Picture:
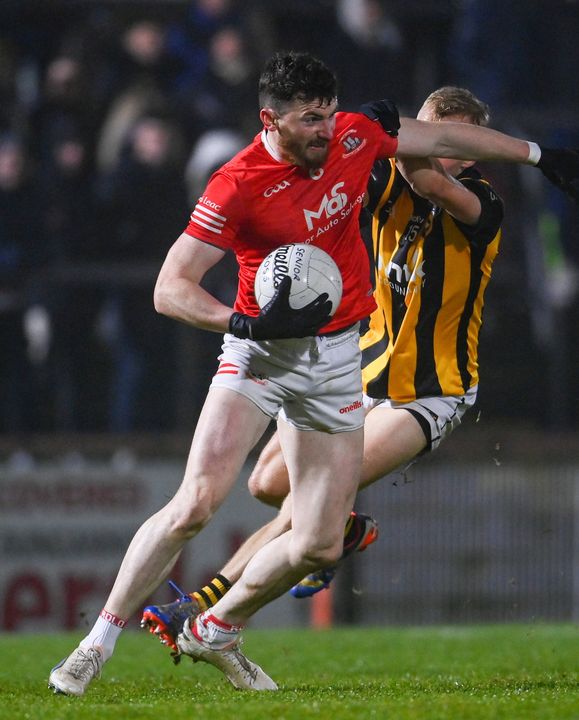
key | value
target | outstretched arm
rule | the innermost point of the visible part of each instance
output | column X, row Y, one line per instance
column 417, row 138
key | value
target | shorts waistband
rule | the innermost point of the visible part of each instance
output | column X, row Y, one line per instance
column 339, row 331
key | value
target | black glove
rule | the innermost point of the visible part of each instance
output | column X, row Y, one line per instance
column 385, row 112
column 561, row 167
column 278, row 320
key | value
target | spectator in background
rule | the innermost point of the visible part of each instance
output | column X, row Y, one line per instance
column 213, row 44
column 211, row 151
column 65, row 100
column 189, row 40
column 78, row 361
column 208, row 16
column 367, row 31
column 226, row 95
column 68, row 189
column 21, row 250
column 142, row 197
column 368, row 23
column 143, row 58
column 144, row 72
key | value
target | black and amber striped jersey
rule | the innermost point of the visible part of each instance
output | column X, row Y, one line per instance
column 431, row 272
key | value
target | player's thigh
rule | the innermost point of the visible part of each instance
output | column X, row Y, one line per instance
column 324, row 470
column 229, row 426
column 392, row 437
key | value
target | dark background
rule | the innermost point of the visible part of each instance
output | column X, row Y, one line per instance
column 113, row 114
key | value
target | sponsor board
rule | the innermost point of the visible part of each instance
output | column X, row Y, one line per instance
column 64, row 531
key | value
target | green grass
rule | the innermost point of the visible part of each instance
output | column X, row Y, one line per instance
column 459, row 673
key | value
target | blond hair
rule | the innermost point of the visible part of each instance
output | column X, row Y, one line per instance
column 450, row 100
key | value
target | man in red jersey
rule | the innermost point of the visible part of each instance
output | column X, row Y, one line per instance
column 301, row 180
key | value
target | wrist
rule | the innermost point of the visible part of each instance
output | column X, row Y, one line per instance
column 240, row 325
column 534, row 153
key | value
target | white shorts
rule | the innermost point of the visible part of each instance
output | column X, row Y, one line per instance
column 313, row 383
column 437, row 416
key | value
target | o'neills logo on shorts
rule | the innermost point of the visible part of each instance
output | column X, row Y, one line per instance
column 354, row 406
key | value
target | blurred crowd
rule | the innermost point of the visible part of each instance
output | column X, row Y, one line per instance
column 114, row 114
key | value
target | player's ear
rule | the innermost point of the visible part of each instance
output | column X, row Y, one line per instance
column 268, row 117
column 466, row 164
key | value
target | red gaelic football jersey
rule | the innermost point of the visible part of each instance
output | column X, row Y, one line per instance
column 257, row 202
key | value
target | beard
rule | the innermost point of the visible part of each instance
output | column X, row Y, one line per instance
column 311, row 156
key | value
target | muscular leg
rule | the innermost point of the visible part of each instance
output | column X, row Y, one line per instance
column 215, row 460
column 324, row 472
column 391, row 438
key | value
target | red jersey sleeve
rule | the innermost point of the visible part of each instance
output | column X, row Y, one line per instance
column 217, row 214
column 386, row 145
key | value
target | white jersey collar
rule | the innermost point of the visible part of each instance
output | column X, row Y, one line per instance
column 267, row 145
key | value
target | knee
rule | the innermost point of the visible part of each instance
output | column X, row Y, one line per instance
column 189, row 515
column 269, row 481
column 266, row 488
column 314, row 553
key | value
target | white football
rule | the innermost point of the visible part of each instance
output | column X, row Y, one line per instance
column 311, row 269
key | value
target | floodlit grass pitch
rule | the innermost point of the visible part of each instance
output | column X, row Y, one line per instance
column 459, row 673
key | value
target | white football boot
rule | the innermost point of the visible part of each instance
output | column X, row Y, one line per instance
column 73, row 674
column 241, row 672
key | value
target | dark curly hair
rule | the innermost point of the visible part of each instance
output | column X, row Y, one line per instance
column 290, row 76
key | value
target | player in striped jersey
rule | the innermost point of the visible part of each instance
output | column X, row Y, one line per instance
column 433, row 261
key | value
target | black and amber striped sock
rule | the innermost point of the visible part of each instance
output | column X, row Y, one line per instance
column 209, row 594
column 351, row 533
column 349, row 524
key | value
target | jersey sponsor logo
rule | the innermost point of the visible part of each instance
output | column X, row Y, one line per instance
column 344, row 213
column 206, row 215
column 350, row 408
column 204, row 200
column 351, row 143
column 317, row 173
column 401, row 278
column 405, row 270
column 407, row 273
column 276, row 188
column 330, row 205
